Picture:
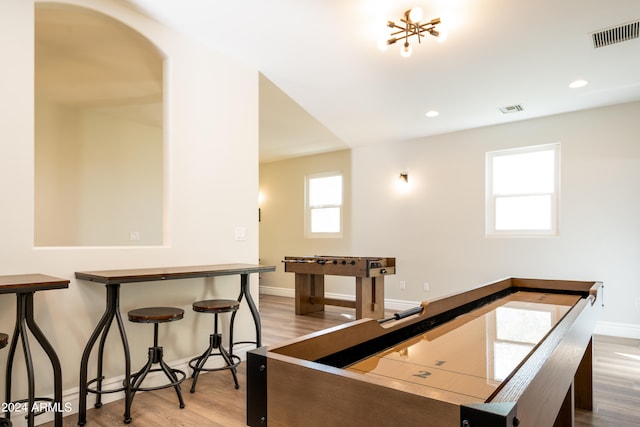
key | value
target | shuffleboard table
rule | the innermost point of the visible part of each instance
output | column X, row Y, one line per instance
column 517, row 352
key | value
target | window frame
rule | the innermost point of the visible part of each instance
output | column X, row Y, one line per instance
column 308, row 208
column 491, row 198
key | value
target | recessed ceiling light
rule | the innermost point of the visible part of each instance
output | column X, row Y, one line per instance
column 578, row 83
column 432, row 113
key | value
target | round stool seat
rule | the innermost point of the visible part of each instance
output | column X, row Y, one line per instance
column 4, row 338
column 155, row 314
column 216, row 306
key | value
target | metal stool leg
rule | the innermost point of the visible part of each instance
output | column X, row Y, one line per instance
column 200, row 363
column 215, row 342
column 138, row 377
column 225, row 355
column 156, row 357
column 227, row 358
column 174, row 379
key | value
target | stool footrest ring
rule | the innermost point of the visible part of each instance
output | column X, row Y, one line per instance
column 236, row 362
column 95, row 391
column 181, row 375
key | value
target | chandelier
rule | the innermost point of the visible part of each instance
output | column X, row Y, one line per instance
column 412, row 25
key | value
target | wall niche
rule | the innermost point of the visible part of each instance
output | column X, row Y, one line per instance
column 99, row 145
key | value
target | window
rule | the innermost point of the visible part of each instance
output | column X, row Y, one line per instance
column 523, row 191
column 323, row 216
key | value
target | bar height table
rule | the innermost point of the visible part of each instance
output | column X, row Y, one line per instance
column 24, row 286
column 112, row 279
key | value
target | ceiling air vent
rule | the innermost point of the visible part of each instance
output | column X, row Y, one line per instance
column 511, row 109
column 621, row 33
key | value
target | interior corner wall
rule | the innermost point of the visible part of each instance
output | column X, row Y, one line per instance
column 436, row 230
column 282, row 217
column 211, row 187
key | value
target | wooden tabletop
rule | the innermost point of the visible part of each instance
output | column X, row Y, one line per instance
column 22, row 283
column 111, row 277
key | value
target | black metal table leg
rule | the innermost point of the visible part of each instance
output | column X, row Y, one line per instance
column 53, row 357
column 127, row 361
column 112, row 310
column 246, row 291
column 24, row 321
column 18, row 334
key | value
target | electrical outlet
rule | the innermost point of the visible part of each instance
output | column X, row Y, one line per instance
column 134, row 235
column 403, row 285
column 240, row 233
column 425, row 286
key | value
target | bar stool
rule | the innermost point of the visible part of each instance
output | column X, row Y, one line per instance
column 215, row 306
column 156, row 315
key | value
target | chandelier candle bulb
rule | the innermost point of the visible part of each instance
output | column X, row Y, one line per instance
column 415, row 14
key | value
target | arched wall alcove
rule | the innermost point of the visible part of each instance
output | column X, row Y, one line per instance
column 99, row 150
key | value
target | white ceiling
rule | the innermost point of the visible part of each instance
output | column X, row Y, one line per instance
column 328, row 86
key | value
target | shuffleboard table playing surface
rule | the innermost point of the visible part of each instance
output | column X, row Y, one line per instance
column 471, row 355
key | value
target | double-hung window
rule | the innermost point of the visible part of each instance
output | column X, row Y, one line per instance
column 523, row 191
column 323, row 217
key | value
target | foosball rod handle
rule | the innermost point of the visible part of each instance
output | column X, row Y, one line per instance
column 402, row 314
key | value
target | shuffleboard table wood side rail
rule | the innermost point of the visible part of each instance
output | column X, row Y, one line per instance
column 319, row 344
column 580, row 287
column 339, row 398
column 451, row 302
column 548, row 376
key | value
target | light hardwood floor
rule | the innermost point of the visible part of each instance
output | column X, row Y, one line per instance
column 217, row 403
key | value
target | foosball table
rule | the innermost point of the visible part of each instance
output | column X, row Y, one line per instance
column 368, row 271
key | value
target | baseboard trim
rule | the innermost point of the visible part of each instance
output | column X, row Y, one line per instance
column 391, row 304
column 622, row 330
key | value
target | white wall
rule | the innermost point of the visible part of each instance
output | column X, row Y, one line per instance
column 436, row 231
column 211, row 152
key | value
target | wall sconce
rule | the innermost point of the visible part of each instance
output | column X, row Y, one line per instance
column 404, row 177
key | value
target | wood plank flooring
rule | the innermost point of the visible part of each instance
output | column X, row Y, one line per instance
column 616, row 388
column 217, row 403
